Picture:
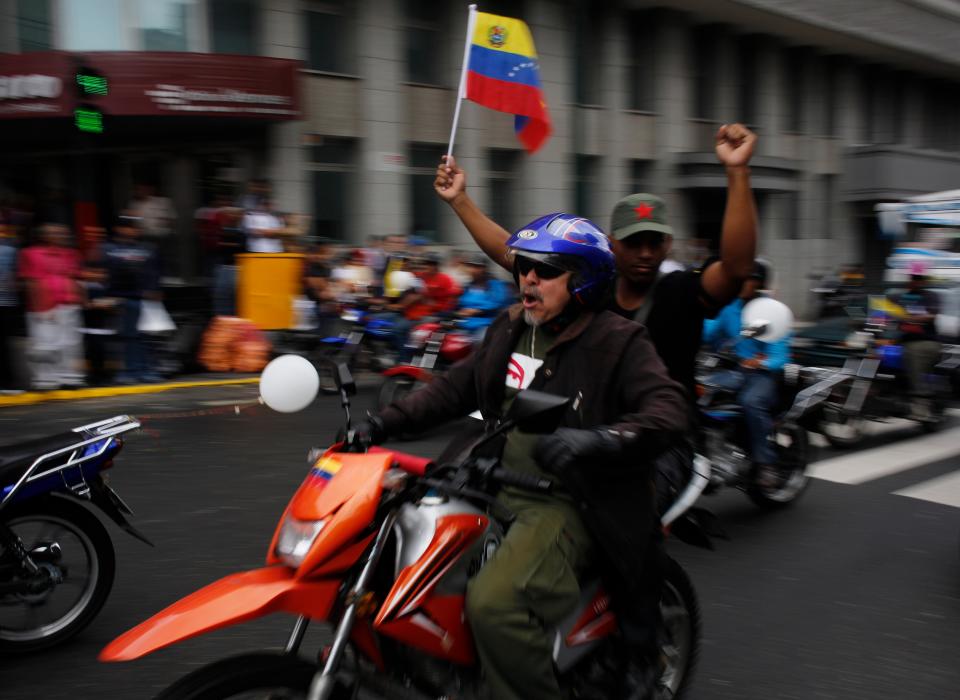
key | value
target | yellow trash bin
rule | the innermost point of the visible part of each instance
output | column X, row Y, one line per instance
column 267, row 284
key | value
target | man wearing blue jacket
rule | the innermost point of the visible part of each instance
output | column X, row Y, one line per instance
column 756, row 379
column 482, row 299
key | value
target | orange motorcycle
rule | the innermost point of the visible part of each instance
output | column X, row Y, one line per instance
column 380, row 545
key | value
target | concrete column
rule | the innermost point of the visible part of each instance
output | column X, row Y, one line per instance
column 8, row 27
column 382, row 180
column 613, row 172
column 283, row 37
column 673, row 103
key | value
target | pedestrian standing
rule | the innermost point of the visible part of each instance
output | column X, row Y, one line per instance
column 132, row 277
column 8, row 307
column 51, row 272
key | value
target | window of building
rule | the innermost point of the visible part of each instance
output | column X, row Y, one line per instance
column 92, row 25
column 827, row 184
column 164, row 24
column 330, row 37
column 233, row 26
column 425, row 205
column 584, row 184
column 333, row 162
column 705, row 72
column 642, row 72
column 34, row 30
column 640, row 174
column 587, row 38
column 425, row 37
column 831, row 68
column 748, row 83
column 794, row 83
column 503, row 171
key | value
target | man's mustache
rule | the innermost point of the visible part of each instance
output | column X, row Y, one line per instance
column 534, row 292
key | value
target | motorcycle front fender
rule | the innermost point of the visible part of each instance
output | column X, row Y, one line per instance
column 231, row 600
column 418, row 374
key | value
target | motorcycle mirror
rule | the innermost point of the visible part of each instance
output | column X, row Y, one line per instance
column 776, row 315
column 289, row 383
column 537, row 411
column 344, row 379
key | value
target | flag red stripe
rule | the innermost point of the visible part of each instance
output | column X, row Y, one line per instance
column 504, row 96
column 534, row 133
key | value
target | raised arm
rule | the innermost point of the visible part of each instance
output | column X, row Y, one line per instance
column 738, row 238
column 451, row 186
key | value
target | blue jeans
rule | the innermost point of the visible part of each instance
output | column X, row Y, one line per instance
column 756, row 394
column 134, row 352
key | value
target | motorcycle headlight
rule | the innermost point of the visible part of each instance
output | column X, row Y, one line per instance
column 296, row 538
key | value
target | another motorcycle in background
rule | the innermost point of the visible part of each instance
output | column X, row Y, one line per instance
column 56, row 559
column 725, row 440
column 364, row 344
column 876, row 388
column 438, row 344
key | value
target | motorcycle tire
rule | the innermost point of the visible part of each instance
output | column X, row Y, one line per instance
column 276, row 675
column 793, row 460
column 86, row 533
column 680, row 630
column 853, row 428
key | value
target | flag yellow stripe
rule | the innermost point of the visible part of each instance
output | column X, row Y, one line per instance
column 518, row 38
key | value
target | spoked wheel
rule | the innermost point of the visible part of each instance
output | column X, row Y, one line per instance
column 261, row 676
column 680, row 631
column 76, row 560
column 840, row 428
column 792, row 457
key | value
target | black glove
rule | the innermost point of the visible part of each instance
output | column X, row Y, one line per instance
column 559, row 451
column 365, row 433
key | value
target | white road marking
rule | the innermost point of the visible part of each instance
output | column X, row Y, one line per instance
column 879, row 462
column 944, row 489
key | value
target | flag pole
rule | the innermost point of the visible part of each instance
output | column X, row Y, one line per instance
column 462, row 90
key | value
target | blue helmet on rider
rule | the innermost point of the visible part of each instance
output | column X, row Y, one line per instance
column 570, row 243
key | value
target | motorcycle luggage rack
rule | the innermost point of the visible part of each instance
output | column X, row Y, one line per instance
column 100, row 430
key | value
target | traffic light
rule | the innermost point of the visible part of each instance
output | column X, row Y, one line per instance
column 87, row 116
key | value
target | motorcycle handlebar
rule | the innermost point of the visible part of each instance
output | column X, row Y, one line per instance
column 411, row 464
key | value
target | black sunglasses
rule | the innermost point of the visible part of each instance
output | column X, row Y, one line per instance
column 523, row 265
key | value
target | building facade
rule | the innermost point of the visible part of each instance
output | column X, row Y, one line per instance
column 855, row 102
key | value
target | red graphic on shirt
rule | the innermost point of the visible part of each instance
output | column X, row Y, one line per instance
column 644, row 211
column 515, row 370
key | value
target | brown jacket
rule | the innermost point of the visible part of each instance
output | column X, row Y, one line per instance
column 606, row 363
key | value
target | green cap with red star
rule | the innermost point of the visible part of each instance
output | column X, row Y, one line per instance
column 639, row 212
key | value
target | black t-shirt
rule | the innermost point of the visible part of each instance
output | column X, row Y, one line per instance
column 675, row 321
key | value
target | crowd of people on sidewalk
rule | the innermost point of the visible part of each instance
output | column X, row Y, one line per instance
column 80, row 302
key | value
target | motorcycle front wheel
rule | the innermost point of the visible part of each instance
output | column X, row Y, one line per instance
column 260, row 675
column 77, row 564
column 680, row 631
column 840, row 428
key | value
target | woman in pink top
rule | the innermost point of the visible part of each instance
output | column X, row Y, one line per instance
column 50, row 271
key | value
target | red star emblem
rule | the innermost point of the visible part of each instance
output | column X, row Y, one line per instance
column 644, row 211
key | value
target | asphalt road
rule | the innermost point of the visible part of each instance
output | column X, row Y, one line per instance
column 853, row 593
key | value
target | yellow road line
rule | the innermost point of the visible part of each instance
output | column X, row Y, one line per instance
column 33, row 397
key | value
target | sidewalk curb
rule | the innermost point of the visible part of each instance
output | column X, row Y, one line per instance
column 34, row 397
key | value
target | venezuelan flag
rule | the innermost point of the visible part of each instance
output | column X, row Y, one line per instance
column 503, row 74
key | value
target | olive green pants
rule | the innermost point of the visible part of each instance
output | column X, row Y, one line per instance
column 528, row 586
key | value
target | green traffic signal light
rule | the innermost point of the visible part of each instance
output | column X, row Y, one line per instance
column 92, row 84
column 89, row 120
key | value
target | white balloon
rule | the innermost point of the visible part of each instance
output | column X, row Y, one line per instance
column 289, row 383
column 775, row 314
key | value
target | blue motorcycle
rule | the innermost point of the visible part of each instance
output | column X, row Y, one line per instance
column 365, row 343
column 56, row 558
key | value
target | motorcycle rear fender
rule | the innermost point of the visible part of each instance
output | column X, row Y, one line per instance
column 233, row 599
column 416, row 373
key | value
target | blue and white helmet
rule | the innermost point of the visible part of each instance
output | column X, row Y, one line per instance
column 570, row 243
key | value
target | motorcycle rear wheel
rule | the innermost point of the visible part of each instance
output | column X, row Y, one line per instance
column 792, row 460
column 83, row 540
